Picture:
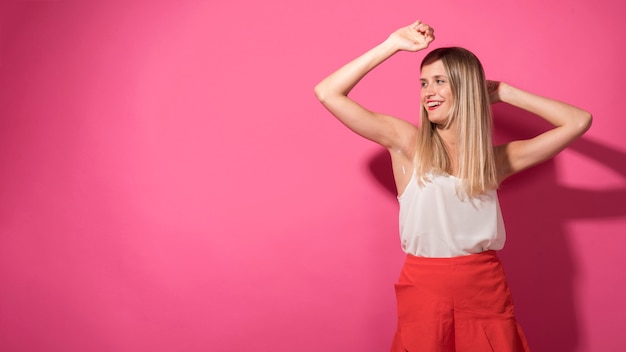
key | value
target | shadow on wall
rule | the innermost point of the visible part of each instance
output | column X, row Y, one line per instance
column 538, row 258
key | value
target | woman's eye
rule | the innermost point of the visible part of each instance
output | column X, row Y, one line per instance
column 440, row 81
column 423, row 84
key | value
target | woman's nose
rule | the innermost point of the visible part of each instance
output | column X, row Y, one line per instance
column 429, row 91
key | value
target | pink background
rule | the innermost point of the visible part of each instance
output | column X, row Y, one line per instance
column 168, row 181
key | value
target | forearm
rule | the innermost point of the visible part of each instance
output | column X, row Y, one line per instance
column 341, row 82
column 570, row 123
column 557, row 113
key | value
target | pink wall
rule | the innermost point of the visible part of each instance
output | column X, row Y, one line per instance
column 168, row 181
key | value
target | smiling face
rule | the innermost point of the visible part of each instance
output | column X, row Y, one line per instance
column 436, row 94
column 455, row 120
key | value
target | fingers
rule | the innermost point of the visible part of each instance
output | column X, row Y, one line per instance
column 492, row 86
column 422, row 28
column 415, row 24
column 427, row 30
column 493, row 89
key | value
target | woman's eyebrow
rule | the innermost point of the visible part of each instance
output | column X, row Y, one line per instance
column 434, row 77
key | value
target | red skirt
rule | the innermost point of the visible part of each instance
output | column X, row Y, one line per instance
column 456, row 304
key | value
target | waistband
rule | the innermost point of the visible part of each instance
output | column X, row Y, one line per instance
column 483, row 257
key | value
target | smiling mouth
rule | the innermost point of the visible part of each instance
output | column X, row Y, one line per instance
column 431, row 105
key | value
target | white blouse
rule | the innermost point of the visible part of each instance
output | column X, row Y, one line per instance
column 436, row 222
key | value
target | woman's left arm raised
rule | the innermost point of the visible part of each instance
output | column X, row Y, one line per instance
column 570, row 123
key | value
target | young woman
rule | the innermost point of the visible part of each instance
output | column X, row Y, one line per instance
column 452, row 294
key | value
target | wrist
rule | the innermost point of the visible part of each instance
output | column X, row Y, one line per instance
column 505, row 92
column 389, row 46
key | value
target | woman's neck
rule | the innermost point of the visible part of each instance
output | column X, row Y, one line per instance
column 448, row 136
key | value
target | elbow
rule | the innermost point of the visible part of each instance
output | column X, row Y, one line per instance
column 320, row 92
column 585, row 121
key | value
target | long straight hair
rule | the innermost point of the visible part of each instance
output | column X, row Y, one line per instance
column 471, row 114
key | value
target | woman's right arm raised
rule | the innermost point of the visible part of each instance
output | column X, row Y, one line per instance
column 333, row 90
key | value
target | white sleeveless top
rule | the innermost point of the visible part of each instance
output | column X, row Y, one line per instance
column 435, row 222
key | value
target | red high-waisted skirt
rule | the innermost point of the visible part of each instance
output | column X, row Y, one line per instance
column 456, row 304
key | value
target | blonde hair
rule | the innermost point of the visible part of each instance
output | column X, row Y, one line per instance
column 471, row 114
